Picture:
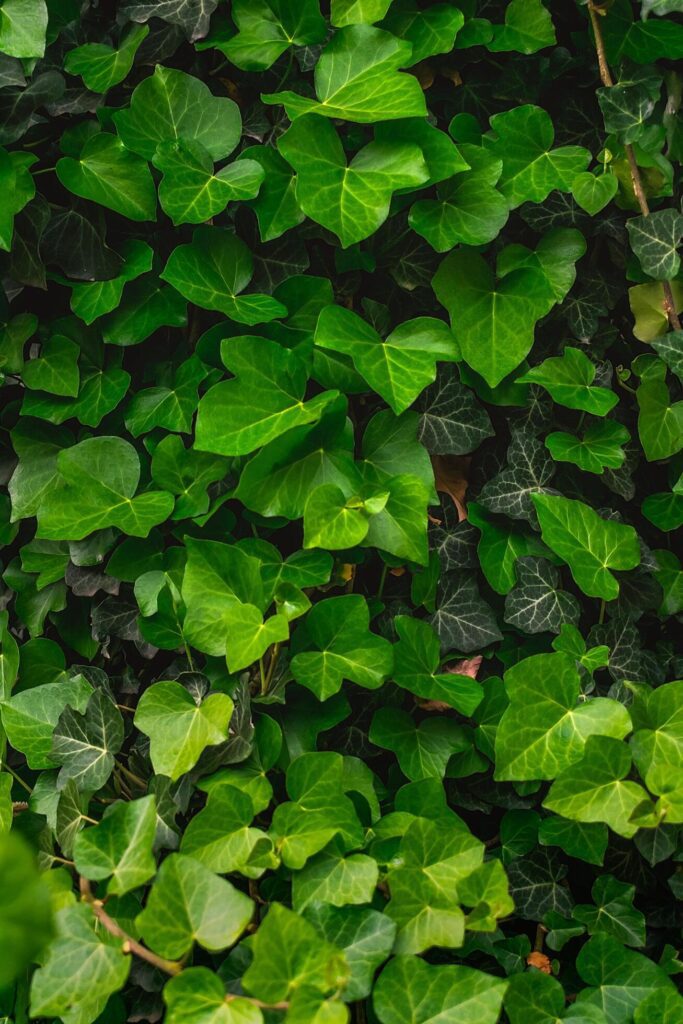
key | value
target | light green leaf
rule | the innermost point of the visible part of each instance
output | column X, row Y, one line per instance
column 30, row 716
column 120, row 847
column 366, row 938
column 411, row 991
column 266, row 29
column 358, row 12
column 101, row 66
column 56, row 368
column 417, row 658
column 170, row 105
column 190, row 192
column 619, row 979
column 212, row 270
column 429, row 30
column 528, row 28
column 660, row 421
column 108, row 174
column 357, row 79
column 95, row 488
column 197, row 996
column 600, row 447
column 424, row 750
column 332, row 878
column 188, row 904
column 596, row 789
column 221, row 836
column 593, row 192
column 25, row 912
column 23, row 25
column 263, row 401
column 569, row 380
column 544, row 730
column 180, row 727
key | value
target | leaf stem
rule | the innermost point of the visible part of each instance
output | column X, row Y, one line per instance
column 131, row 775
column 601, row 617
column 17, row 778
column 595, row 14
column 382, row 581
column 274, row 655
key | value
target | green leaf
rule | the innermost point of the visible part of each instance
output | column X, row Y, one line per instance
column 670, row 349
column 429, row 31
column 357, row 79
column 657, row 744
column 366, row 937
column 221, row 836
column 56, row 368
column 198, row 995
column 647, row 305
column 170, row 406
column 82, row 969
column 529, row 469
column 263, row 401
column 626, row 108
column 399, row 367
column 655, row 239
column 85, row 744
column 613, row 912
column 600, row 447
column 186, row 473
column 568, row 379
column 452, row 422
column 180, row 727
column 23, row 25
column 212, row 270
column 289, row 955
column 120, row 847
column 93, row 299
column 18, row 188
column 25, row 911
column 332, row 878
column 619, row 979
column 411, row 991
column 100, row 66
column 266, row 29
column 358, row 12
column 593, row 192
column 499, row 548
column 523, row 139
column 660, row 421
column 169, row 106
column 493, row 322
column 338, row 630
column 30, row 716
column 593, row 789
column 417, row 658
column 351, row 200
column 190, row 192
column 423, row 751
column 146, row 306
column 528, row 28
column 589, row 544
column 400, row 527
column 537, row 604
column 275, row 207
column 469, row 208
column 188, row 904
column 95, row 487
column 108, row 174
column 463, row 619
column 544, row 730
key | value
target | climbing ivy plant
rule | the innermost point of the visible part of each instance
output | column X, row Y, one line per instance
column 341, row 471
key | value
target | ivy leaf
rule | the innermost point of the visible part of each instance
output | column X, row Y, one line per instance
column 357, row 79
column 569, row 380
column 527, row 473
column 188, row 904
column 463, row 620
column 85, row 744
column 331, row 878
column 469, row 208
column 593, row 789
column 275, row 207
column 100, row 66
column 170, row 105
column 493, row 322
column 619, row 979
column 146, row 306
column 593, row 192
column 289, row 955
column 423, row 751
column 358, row 12
column 198, row 994
column 626, row 108
column 108, row 174
column 660, row 421
column 411, row 991
column 221, row 837
column 429, row 31
column 190, row 192
column 537, row 604
column 186, row 473
column 339, row 628
column 180, row 727
column 670, row 349
column 417, row 658
column 56, row 368
column 23, row 25
column 452, row 422
column 543, row 731
column 82, row 969
column 95, row 488
column 613, row 913
column 523, row 139
column 266, row 29
column 655, row 239
column 26, row 916
column 212, row 270
column 536, row 885
column 92, row 299
column 399, row 367
column 29, row 717
column 263, row 401
column 657, row 744
column 18, row 189
column 192, row 16
column 589, row 544
column 400, row 527
column 600, row 447
column 500, row 547
column 170, row 406
column 528, row 28
column 120, row 847
column 351, row 200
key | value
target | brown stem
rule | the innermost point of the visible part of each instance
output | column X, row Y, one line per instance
column 540, row 937
column 595, row 13
column 129, row 944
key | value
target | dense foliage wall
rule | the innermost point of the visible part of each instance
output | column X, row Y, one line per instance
column 341, row 469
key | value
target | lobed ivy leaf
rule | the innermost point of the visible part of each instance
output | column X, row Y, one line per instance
column 119, row 848
column 101, row 66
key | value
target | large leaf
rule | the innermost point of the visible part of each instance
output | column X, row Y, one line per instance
column 410, row 991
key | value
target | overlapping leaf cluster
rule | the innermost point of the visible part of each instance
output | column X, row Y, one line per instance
column 341, row 475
